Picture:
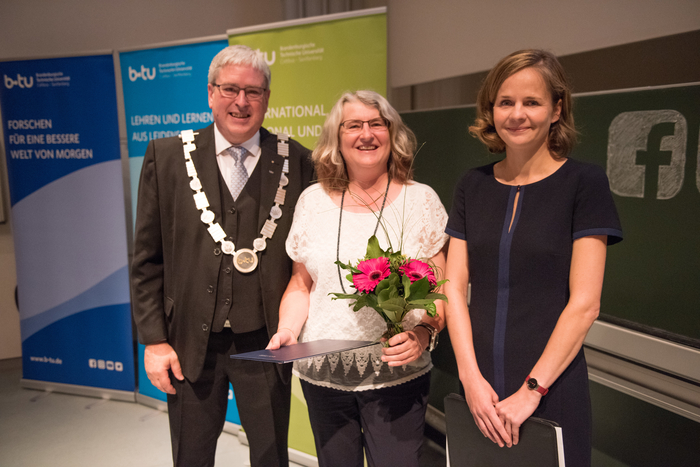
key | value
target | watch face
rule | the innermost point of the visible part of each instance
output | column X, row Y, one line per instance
column 531, row 383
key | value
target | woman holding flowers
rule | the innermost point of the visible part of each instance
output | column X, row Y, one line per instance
column 373, row 397
column 530, row 233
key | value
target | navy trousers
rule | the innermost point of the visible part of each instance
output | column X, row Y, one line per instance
column 388, row 423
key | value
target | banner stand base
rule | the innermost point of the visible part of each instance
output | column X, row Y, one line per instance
column 88, row 391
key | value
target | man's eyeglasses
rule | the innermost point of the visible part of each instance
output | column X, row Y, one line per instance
column 231, row 91
column 355, row 126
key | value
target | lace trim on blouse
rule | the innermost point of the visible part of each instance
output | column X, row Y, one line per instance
column 414, row 222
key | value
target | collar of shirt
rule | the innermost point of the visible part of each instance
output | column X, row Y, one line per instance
column 225, row 161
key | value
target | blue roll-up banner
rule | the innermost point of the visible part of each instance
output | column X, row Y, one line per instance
column 61, row 134
column 165, row 92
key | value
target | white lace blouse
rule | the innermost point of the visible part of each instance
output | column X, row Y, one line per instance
column 418, row 218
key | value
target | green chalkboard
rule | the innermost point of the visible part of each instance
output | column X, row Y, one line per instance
column 648, row 142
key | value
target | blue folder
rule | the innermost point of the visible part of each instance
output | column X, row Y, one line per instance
column 290, row 353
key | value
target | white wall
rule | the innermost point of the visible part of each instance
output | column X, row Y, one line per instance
column 10, row 342
column 431, row 40
column 9, row 317
column 30, row 28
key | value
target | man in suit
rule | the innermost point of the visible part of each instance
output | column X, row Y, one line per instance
column 210, row 267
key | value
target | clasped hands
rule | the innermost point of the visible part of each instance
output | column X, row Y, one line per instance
column 500, row 420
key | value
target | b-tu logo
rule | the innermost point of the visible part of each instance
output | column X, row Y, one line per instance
column 21, row 81
column 145, row 73
column 269, row 61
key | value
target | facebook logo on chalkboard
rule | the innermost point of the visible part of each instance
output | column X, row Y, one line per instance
column 646, row 153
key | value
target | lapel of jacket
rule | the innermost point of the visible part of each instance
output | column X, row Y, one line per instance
column 270, row 170
column 204, row 158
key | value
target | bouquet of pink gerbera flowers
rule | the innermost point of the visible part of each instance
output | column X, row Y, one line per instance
column 392, row 284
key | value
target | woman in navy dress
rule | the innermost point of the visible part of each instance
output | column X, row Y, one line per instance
column 530, row 233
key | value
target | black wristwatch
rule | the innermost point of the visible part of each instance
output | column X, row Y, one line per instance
column 434, row 333
column 533, row 385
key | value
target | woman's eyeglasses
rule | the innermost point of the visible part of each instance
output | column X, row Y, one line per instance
column 355, row 126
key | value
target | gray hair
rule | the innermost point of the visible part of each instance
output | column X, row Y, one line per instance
column 328, row 160
column 241, row 55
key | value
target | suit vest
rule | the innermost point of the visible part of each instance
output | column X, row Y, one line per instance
column 239, row 296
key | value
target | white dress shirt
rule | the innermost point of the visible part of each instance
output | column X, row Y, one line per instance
column 225, row 161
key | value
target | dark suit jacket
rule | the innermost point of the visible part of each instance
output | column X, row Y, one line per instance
column 176, row 262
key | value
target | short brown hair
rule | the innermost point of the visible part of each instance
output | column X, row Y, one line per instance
column 562, row 133
column 328, row 160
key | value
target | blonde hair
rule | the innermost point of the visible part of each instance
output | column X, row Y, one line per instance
column 328, row 160
column 562, row 133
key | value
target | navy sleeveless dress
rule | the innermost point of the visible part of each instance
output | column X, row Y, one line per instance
column 520, row 279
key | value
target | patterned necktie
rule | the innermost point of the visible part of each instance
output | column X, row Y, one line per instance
column 239, row 175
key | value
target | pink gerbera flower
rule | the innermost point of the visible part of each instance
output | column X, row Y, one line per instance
column 416, row 270
column 373, row 272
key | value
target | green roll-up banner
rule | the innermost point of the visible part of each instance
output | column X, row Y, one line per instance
column 313, row 61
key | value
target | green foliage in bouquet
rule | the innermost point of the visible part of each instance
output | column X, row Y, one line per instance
column 391, row 284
